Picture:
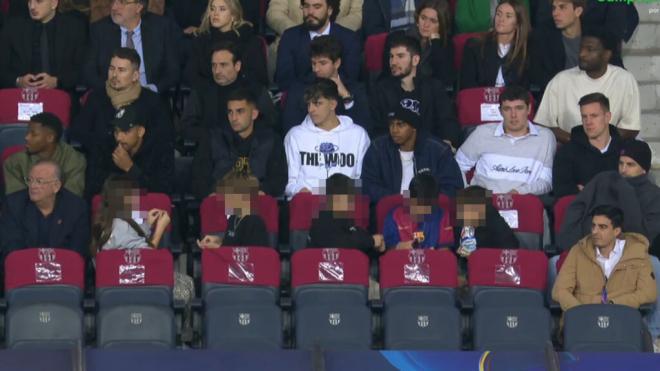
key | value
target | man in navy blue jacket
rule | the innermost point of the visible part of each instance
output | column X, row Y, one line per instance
column 393, row 160
column 293, row 53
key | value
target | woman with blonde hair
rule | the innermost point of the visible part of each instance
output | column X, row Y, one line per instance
column 501, row 56
column 223, row 21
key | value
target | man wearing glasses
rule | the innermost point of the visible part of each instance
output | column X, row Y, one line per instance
column 45, row 214
column 152, row 36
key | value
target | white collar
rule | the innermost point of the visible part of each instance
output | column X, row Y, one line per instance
column 617, row 251
column 499, row 130
column 314, row 34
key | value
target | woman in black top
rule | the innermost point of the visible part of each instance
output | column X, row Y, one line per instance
column 501, row 56
column 223, row 21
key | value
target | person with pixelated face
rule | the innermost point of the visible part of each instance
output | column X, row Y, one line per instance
column 244, row 227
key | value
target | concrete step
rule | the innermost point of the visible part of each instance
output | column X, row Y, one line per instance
column 644, row 65
column 646, row 36
column 649, row 93
column 648, row 12
column 650, row 122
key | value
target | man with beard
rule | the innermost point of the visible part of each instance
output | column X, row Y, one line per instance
column 425, row 96
column 293, row 53
column 42, row 142
column 559, row 111
column 93, row 127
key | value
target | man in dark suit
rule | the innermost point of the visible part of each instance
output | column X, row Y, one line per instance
column 45, row 214
column 293, row 53
column 152, row 36
column 43, row 51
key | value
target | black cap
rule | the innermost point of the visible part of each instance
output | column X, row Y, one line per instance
column 638, row 151
column 128, row 117
column 406, row 111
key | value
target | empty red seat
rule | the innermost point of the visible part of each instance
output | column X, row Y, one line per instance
column 524, row 214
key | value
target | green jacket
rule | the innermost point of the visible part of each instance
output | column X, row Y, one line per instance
column 475, row 16
column 72, row 164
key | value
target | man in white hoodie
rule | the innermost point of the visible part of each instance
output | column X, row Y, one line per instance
column 324, row 143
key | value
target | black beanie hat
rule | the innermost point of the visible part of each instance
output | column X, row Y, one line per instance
column 638, row 151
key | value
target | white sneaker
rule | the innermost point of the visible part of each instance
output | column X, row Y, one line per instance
column 656, row 345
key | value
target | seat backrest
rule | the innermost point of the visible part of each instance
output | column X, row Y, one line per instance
column 603, row 328
column 214, row 220
column 20, row 104
column 459, row 46
column 148, row 201
column 524, row 214
column 120, row 272
column 241, row 266
column 476, row 106
column 419, row 267
column 562, row 258
column 304, row 207
column 559, row 210
column 508, row 268
column 511, row 328
column 374, row 47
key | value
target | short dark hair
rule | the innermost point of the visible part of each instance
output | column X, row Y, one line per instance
column 424, row 188
column 339, row 184
column 322, row 88
column 50, row 121
column 613, row 213
column 325, row 46
column 596, row 98
column 514, row 92
column 410, row 43
column 128, row 53
column 473, row 195
column 230, row 47
column 243, row 94
column 576, row 3
column 334, row 4
column 605, row 36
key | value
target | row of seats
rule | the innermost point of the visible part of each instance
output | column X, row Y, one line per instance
column 242, row 308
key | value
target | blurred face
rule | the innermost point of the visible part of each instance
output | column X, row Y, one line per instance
column 321, row 110
column 238, row 204
column 42, row 10
column 505, row 20
column 472, row 214
column 629, row 168
column 219, row 15
column 131, row 139
column 515, row 114
column 564, row 14
column 241, row 115
column 419, row 208
column 38, row 138
column 125, row 13
column 603, row 233
column 42, row 183
column 225, row 71
column 122, row 74
column 595, row 120
column 401, row 132
column 402, row 62
column 342, row 205
column 324, row 67
column 427, row 22
column 593, row 56
column 316, row 14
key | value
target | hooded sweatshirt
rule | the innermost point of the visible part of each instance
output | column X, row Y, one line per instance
column 314, row 154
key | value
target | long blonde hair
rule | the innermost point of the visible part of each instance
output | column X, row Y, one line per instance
column 518, row 52
column 236, row 11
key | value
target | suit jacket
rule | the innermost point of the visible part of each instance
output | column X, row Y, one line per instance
column 478, row 70
column 70, row 223
column 293, row 62
column 284, row 14
column 159, row 49
column 67, row 50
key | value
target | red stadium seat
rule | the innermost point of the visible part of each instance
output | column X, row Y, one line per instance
column 12, row 101
column 148, row 201
column 373, row 52
column 527, row 212
column 559, row 211
column 528, row 269
column 459, row 45
column 469, row 103
column 561, row 259
column 214, row 220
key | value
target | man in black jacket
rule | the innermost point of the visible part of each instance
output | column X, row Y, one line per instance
column 325, row 55
column 594, row 148
column 248, row 144
column 45, row 214
column 149, row 162
column 45, row 51
column 393, row 160
column 426, row 96
column 152, row 36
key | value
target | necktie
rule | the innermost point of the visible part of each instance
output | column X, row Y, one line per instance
column 129, row 40
column 45, row 60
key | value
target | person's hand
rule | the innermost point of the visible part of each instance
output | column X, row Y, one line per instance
column 305, row 190
column 261, row 193
column 163, row 219
column 27, row 81
column 46, row 81
column 209, row 242
column 580, row 187
column 122, row 159
column 153, row 215
column 189, row 30
column 379, row 242
column 341, row 88
column 404, row 245
column 513, row 192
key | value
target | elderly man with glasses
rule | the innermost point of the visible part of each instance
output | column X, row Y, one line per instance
column 45, row 214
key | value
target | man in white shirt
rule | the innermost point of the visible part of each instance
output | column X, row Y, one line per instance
column 513, row 156
column 559, row 111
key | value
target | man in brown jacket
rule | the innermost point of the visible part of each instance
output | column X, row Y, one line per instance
column 608, row 266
